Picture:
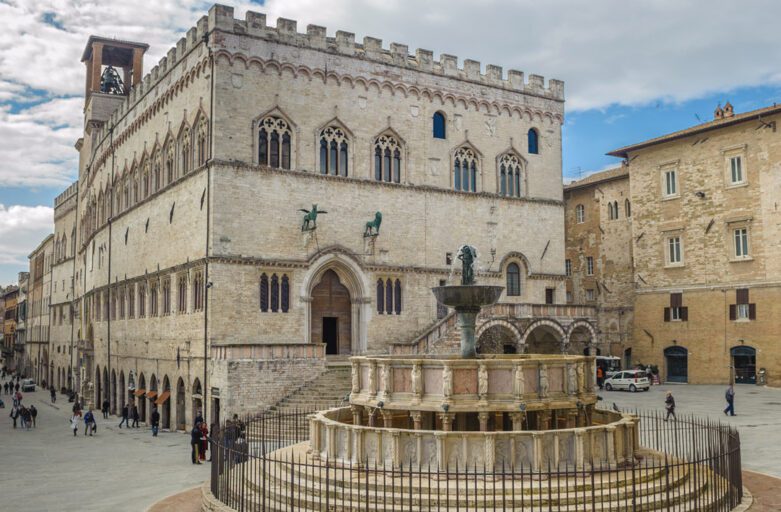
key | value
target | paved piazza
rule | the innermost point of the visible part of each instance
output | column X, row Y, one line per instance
column 47, row 469
column 758, row 417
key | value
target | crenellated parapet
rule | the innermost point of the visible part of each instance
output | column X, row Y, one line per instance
column 286, row 32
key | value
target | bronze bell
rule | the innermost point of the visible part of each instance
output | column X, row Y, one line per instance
column 110, row 82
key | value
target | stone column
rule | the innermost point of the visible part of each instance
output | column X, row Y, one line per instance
column 355, row 378
column 387, row 419
column 357, row 414
column 517, row 419
column 483, row 417
column 579, row 455
column 358, row 452
column 490, row 452
column 314, row 438
column 537, row 451
column 572, row 418
column 447, row 421
column 330, row 445
column 466, row 322
column 543, row 420
column 417, row 420
column 396, row 449
column 441, row 455
column 610, row 444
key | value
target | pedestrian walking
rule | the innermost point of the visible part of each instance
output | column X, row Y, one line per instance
column 17, row 385
column 730, row 397
column 53, row 394
column 75, row 423
column 89, row 423
column 669, row 404
column 135, row 416
column 33, row 414
column 125, row 413
column 195, row 440
column 155, row 421
column 105, row 408
column 204, row 441
column 14, row 413
column 5, row 387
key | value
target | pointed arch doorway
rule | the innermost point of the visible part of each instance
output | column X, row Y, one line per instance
column 331, row 322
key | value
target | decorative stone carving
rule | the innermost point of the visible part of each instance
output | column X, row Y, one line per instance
column 572, row 380
column 520, row 385
column 482, row 382
column 384, row 381
column 356, row 378
column 544, row 385
column 372, row 379
column 447, row 382
column 417, row 380
column 581, row 378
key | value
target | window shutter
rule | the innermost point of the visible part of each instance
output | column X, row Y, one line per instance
column 684, row 314
column 752, row 311
column 741, row 295
column 733, row 313
column 676, row 300
column 666, row 314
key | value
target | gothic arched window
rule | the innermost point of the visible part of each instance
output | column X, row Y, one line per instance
column 513, row 279
column 510, row 179
column 380, row 297
column 264, row 293
column 202, row 141
column 285, row 299
column 274, row 142
column 156, row 181
column 145, row 181
column 274, row 293
column 387, row 159
column 397, row 297
column 389, row 296
column 184, row 151
column 610, row 214
column 333, row 151
column 534, row 141
column 438, row 125
column 627, row 208
column 465, row 170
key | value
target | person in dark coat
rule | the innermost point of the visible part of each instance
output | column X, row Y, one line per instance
column 33, row 414
column 125, row 413
column 135, row 416
column 730, row 397
column 105, row 408
column 195, row 441
column 155, row 421
column 669, row 405
column 53, row 394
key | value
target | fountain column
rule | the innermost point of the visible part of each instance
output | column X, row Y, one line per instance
column 467, row 318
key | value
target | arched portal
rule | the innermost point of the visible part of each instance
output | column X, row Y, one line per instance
column 122, row 391
column 677, row 364
column 581, row 339
column 98, row 386
column 197, row 399
column 106, row 387
column 744, row 362
column 543, row 337
column 181, row 422
column 165, row 403
column 330, row 302
column 113, row 391
column 498, row 337
column 332, row 314
column 140, row 393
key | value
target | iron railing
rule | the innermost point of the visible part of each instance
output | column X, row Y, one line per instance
column 687, row 464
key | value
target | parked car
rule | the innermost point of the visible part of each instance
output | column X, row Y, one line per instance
column 633, row 380
column 28, row 385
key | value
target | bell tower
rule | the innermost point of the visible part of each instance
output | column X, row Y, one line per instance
column 113, row 68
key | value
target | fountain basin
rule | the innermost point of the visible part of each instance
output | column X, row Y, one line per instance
column 467, row 296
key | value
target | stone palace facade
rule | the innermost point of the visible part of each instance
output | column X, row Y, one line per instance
column 183, row 252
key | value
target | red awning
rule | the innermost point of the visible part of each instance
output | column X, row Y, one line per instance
column 151, row 394
column 163, row 397
column 140, row 392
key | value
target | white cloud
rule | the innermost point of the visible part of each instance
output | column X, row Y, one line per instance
column 21, row 230
column 611, row 51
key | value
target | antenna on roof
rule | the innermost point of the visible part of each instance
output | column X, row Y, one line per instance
column 698, row 117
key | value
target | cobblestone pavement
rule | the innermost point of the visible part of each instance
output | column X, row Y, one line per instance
column 758, row 417
column 48, row 469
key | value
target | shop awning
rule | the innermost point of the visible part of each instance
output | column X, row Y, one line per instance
column 140, row 392
column 163, row 397
column 151, row 394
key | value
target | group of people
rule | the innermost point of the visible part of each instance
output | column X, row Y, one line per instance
column 729, row 396
column 19, row 413
column 199, row 440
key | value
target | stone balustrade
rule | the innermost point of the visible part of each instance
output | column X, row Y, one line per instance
column 611, row 440
column 491, row 383
column 269, row 351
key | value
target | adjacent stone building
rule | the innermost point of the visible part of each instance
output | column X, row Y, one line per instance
column 705, row 229
column 20, row 333
column 599, row 259
column 10, row 298
column 39, row 297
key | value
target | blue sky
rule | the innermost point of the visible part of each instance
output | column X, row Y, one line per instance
column 633, row 70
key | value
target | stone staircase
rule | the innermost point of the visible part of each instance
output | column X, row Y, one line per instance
column 312, row 485
column 329, row 389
